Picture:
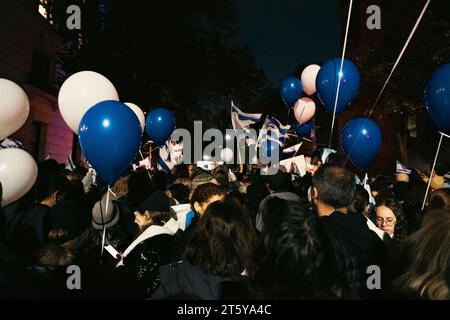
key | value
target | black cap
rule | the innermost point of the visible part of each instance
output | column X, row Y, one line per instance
column 157, row 201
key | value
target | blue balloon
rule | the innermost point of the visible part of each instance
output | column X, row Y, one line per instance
column 437, row 98
column 110, row 137
column 327, row 81
column 291, row 90
column 304, row 130
column 361, row 140
column 160, row 124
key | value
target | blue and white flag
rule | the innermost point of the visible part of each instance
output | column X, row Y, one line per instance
column 164, row 161
column 366, row 185
column 400, row 168
column 273, row 130
column 293, row 148
column 10, row 143
column 243, row 120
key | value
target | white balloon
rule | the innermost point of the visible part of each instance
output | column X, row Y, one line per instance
column 14, row 107
column 18, row 173
column 308, row 78
column 139, row 114
column 80, row 92
column 226, row 155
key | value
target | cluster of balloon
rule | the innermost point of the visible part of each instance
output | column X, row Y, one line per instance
column 327, row 80
column 160, row 124
column 18, row 170
column 361, row 140
column 437, row 98
column 89, row 104
column 80, row 92
column 110, row 137
column 304, row 130
column 291, row 90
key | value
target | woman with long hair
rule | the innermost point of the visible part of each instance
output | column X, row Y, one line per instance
column 428, row 255
column 220, row 250
column 390, row 218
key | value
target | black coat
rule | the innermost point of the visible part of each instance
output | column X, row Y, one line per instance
column 140, row 274
column 357, row 247
column 183, row 280
column 183, row 238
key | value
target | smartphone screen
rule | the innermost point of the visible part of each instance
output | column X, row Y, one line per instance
column 112, row 251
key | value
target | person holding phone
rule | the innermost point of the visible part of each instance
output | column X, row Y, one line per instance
column 140, row 262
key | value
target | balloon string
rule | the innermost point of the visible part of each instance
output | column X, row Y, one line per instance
column 432, row 170
column 340, row 71
column 390, row 75
column 103, row 222
column 303, row 110
column 401, row 54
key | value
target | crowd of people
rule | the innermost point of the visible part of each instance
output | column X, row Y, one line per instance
column 228, row 234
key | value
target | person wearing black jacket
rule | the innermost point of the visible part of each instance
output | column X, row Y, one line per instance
column 356, row 246
column 138, row 268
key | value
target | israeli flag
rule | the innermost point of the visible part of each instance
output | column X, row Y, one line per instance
column 243, row 120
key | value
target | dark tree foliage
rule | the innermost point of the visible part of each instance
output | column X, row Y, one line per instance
column 172, row 53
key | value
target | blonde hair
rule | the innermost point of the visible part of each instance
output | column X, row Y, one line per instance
column 429, row 260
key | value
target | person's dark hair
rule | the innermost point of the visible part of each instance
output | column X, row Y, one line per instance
column 412, row 206
column 46, row 169
column 316, row 157
column 335, row 185
column 441, row 168
column 197, row 171
column 439, row 199
column 401, row 190
column 75, row 192
column 361, row 200
column 79, row 172
column 382, row 183
column 220, row 173
column 140, row 186
column 160, row 180
column 223, row 242
column 161, row 217
column 56, row 183
column 279, row 182
column 205, row 191
column 180, row 171
column 295, row 259
column 414, row 177
column 400, row 230
column 180, row 192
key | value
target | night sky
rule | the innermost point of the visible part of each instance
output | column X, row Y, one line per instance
column 282, row 34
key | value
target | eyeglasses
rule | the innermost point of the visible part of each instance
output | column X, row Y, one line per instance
column 389, row 221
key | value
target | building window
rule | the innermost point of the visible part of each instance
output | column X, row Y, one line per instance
column 38, row 140
column 40, row 71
